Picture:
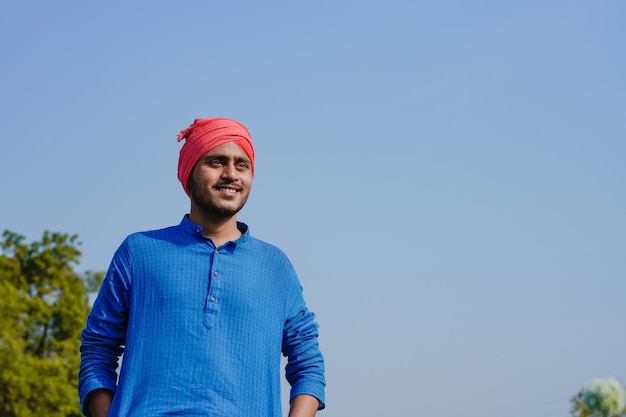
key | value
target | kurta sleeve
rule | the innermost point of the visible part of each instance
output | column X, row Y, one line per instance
column 305, row 363
column 104, row 335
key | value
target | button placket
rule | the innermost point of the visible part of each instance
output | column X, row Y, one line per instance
column 212, row 305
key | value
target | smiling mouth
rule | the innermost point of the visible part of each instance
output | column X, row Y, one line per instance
column 227, row 190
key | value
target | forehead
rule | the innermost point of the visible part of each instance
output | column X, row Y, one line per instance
column 230, row 149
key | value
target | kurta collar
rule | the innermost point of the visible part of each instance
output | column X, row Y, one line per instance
column 195, row 229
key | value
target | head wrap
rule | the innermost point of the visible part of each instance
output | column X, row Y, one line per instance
column 204, row 135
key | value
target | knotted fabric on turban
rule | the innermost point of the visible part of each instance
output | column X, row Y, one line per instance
column 204, row 135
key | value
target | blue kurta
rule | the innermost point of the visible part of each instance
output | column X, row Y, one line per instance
column 203, row 328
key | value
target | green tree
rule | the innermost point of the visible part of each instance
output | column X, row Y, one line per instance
column 43, row 307
column 603, row 397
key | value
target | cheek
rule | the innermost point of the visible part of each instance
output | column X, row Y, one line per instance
column 204, row 176
column 247, row 178
column 200, row 180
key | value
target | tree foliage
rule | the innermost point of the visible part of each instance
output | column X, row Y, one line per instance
column 43, row 310
column 603, row 397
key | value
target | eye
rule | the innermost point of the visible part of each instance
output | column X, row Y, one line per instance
column 215, row 162
column 242, row 165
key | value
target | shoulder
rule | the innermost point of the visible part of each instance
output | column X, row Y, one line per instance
column 155, row 233
column 156, row 237
column 266, row 249
column 266, row 255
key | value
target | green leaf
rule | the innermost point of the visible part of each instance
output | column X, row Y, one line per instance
column 43, row 310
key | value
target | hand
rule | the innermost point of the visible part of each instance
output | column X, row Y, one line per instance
column 98, row 402
column 304, row 406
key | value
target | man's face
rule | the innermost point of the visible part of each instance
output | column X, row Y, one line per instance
column 220, row 182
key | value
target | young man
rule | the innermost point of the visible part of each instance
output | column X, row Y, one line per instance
column 202, row 310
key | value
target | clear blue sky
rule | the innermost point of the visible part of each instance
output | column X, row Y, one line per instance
column 448, row 177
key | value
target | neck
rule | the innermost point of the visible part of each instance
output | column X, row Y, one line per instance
column 219, row 230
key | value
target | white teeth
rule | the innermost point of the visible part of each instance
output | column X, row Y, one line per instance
column 228, row 190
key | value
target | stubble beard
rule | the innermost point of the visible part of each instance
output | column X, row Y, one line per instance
column 203, row 200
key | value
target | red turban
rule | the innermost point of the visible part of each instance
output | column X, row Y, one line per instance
column 204, row 135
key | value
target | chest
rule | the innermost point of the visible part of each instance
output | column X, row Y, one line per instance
column 207, row 285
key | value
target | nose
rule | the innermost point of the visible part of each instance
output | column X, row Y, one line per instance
column 229, row 171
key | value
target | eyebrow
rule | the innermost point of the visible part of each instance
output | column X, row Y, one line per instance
column 225, row 156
